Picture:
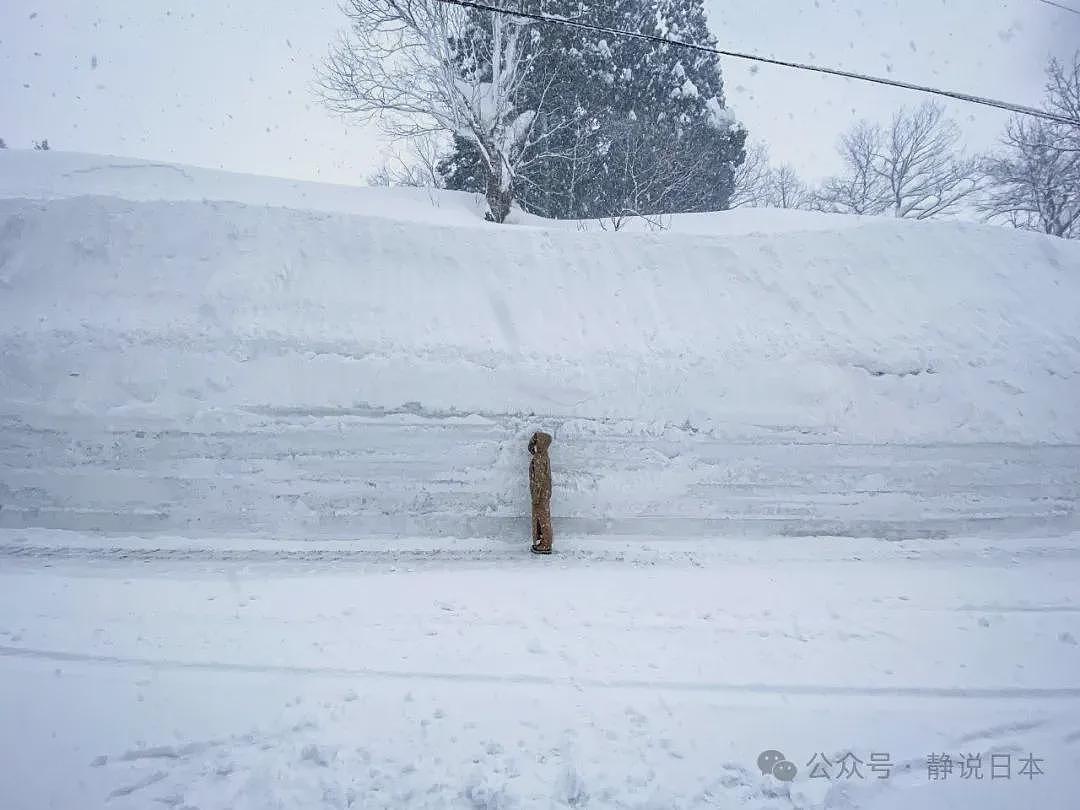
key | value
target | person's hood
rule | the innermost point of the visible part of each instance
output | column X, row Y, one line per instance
column 540, row 442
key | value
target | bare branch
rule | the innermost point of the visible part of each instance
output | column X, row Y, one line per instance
column 1035, row 180
column 785, row 189
column 913, row 170
column 1034, row 184
column 421, row 66
column 751, row 178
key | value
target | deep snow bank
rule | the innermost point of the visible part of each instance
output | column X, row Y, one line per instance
column 172, row 291
column 56, row 175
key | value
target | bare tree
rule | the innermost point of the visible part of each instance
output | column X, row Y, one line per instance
column 422, row 66
column 2, row 144
column 759, row 185
column 1063, row 98
column 751, row 178
column 914, row 169
column 633, row 187
column 1035, row 185
column 785, row 189
column 640, row 180
column 417, row 167
column 859, row 190
column 1035, row 182
column 925, row 175
column 42, row 145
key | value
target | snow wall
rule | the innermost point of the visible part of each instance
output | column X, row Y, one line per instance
column 166, row 296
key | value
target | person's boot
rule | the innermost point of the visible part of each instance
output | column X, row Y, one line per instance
column 541, row 539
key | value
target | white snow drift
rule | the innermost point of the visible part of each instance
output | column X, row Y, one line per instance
column 176, row 290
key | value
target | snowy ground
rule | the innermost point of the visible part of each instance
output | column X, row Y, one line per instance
column 622, row 674
column 816, row 490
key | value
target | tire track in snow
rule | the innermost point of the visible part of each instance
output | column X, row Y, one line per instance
column 807, row 690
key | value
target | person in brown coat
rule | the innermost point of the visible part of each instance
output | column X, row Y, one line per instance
column 540, row 492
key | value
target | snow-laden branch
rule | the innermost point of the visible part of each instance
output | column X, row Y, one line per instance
column 1034, row 182
column 420, row 66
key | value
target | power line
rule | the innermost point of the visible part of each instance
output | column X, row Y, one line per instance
column 863, row 77
column 1063, row 7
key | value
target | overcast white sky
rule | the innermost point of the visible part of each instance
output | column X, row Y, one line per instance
column 227, row 84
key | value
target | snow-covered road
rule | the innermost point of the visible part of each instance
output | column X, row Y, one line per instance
column 623, row 673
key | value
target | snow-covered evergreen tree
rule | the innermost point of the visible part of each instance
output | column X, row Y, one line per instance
column 635, row 127
column 561, row 85
column 684, row 138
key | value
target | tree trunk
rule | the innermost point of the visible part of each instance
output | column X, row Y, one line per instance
column 499, row 193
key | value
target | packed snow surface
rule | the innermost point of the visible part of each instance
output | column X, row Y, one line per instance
column 619, row 674
column 263, row 488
